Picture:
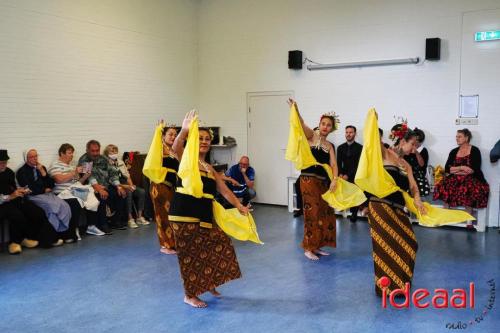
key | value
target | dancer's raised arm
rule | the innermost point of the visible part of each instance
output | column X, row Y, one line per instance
column 178, row 146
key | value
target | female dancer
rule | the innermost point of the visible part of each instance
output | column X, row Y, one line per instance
column 394, row 242
column 206, row 255
column 319, row 218
column 162, row 193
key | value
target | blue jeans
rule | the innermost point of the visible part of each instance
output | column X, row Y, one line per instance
column 138, row 197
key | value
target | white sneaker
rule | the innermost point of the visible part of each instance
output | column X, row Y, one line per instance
column 131, row 224
column 93, row 230
column 58, row 243
column 142, row 220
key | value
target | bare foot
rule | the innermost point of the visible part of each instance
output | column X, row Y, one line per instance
column 215, row 293
column 321, row 252
column 195, row 302
column 311, row 256
column 167, row 251
column 364, row 212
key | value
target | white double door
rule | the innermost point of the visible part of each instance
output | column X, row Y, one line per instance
column 268, row 126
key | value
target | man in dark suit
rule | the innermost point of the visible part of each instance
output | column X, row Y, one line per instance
column 348, row 155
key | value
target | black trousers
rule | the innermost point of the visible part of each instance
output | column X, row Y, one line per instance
column 116, row 203
column 27, row 220
column 298, row 194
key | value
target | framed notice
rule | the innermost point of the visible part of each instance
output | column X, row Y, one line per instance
column 469, row 106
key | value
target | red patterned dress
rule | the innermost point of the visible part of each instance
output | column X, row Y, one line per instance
column 462, row 190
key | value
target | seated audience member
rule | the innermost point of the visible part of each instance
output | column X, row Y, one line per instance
column 135, row 195
column 35, row 176
column 495, row 153
column 418, row 160
column 24, row 217
column 106, row 182
column 464, row 184
column 381, row 134
column 241, row 178
column 348, row 155
column 133, row 157
column 65, row 177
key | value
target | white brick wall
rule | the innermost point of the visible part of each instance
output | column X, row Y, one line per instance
column 74, row 70
column 243, row 47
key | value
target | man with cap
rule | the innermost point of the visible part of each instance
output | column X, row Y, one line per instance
column 19, row 212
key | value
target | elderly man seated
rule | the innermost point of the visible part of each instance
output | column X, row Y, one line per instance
column 240, row 178
column 34, row 175
column 106, row 182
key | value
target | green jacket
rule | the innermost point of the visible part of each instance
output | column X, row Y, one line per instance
column 102, row 172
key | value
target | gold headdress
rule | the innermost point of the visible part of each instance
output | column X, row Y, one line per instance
column 334, row 117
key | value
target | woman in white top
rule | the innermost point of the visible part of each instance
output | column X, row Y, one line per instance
column 64, row 176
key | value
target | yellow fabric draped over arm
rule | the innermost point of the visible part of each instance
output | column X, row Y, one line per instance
column 346, row 195
column 189, row 170
column 297, row 149
column 371, row 175
column 153, row 165
column 373, row 178
column 436, row 216
column 234, row 224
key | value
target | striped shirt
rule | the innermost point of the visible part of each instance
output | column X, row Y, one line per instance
column 62, row 168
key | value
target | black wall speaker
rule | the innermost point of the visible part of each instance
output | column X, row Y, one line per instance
column 295, row 59
column 433, row 49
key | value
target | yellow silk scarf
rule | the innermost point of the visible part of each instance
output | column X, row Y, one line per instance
column 231, row 221
column 189, row 170
column 346, row 194
column 153, row 165
column 373, row 178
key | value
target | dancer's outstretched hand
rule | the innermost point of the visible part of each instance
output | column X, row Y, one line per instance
column 333, row 185
column 420, row 206
column 188, row 119
column 244, row 210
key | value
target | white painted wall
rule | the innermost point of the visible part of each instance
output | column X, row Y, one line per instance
column 243, row 47
column 74, row 70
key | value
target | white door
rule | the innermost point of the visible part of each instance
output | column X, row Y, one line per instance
column 268, row 125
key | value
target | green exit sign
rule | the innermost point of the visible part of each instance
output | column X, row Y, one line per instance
column 482, row 36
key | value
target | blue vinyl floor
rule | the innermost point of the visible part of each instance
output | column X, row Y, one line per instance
column 121, row 283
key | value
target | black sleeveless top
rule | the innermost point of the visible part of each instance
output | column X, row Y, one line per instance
column 322, row 157
column 172, row 165
column 186, row 208
column 401, row 180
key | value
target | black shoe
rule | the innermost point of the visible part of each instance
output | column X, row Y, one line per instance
column 297, row 213
column 118, row 227
column 106, row 229
column 353, row 218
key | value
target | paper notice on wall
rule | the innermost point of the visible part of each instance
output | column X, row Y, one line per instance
column 469, row 106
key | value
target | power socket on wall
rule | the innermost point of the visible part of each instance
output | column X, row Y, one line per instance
column 466, row 121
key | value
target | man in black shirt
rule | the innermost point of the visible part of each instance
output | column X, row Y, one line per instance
column 348, row 155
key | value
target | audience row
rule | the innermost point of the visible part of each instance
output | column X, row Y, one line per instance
column 44, row 206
